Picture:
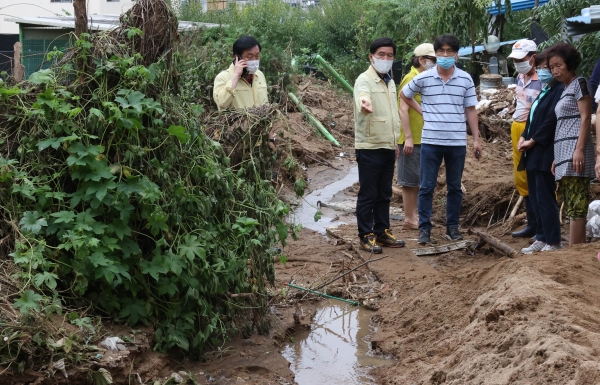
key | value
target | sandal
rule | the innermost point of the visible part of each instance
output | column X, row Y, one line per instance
column 410, row 226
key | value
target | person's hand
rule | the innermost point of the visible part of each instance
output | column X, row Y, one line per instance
column 408, row 146
column 477, row 149
column 526, row 145
column 578, row 161
column 366, row 107
column 397, row 153
column 238, row 69
column 597, row 168
column 553, row 168
column 521, row 141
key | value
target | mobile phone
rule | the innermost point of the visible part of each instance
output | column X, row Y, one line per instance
column 477, row 154
column 239, row 58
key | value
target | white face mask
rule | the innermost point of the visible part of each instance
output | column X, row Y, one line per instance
column 429, row 65
column 382, row 66
column 523, row 67
column 252, row 66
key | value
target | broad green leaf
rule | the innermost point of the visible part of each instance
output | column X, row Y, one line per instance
column 47, row 278
column 42, row 77
column 134, row 311
column 28, row 301
column 32, row 222
column 179, row 133
column 63, row 216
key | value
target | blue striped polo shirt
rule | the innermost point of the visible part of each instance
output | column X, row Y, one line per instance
column 443, row 105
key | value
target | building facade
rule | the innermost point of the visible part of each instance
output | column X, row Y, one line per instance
column 41, row 8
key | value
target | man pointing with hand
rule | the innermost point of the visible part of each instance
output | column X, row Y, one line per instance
column 377, row 125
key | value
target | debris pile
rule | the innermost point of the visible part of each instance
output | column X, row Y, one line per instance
column 495, row 109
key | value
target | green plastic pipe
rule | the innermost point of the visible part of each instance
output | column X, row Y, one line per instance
column 324, row 295
column 313, row 120
column 334, row 73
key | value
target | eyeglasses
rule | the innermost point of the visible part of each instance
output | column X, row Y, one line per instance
column 381, row 55
column 433, row 59
column 445, row 52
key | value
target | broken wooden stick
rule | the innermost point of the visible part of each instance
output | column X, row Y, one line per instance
column 485, row 238
column 350, row 271
column 433, row 250
column 516, row 208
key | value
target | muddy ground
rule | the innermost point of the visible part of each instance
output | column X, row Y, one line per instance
column 453, row 318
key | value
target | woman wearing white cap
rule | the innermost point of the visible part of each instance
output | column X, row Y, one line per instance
column 409, row 143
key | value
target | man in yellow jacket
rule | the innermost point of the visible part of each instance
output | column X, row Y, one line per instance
column 242, row 85
column 376, row 129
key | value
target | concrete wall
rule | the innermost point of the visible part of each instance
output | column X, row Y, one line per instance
column 33, row 8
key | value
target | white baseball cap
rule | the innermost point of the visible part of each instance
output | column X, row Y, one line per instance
column 522, row 48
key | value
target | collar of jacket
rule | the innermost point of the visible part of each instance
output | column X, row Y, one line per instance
column 374, row 74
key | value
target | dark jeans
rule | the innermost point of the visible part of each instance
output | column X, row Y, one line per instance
column 431, row 160
column 375, row 174
column 542, row 197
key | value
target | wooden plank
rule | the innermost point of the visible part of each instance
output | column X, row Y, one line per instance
column 433, row 250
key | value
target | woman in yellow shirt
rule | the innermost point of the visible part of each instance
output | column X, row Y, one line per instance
column 409, row 161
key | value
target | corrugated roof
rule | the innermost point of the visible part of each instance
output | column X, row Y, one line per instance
column 516, row 5
column 96, row 22
column 464, row 51
column 588, row 22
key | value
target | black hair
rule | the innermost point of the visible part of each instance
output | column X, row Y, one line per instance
column 540, row 58
column 382, row 42
column 449, row 39
column 414, row 61
column 245, row 43
column 567, row 52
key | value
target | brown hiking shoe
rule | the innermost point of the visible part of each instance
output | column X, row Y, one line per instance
column 388, row 239
column 367, row 242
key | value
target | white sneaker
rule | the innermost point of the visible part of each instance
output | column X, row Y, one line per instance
column 536, row 246
column 553, row 247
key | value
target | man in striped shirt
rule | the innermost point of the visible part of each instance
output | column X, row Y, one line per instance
column 448, row 103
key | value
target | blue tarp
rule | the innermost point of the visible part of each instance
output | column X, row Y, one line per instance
column 465, row 51
column 516, row 5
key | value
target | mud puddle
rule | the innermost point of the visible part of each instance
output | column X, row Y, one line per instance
column 337, row 350
column 330, row 193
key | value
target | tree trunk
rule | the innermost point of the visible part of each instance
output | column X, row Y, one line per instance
column 81, row 19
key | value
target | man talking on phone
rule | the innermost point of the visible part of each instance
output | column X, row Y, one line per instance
column 242, row 85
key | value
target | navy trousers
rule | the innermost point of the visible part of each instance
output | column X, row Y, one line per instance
column 542, row 197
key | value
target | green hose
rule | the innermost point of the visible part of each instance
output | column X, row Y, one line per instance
column 323, row 294
column 334, row 73
column 315, row 122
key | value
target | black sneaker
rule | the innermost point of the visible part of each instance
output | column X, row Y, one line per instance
column 388, row 239
column 367, row 242
column 424, row 236
column 453, row 234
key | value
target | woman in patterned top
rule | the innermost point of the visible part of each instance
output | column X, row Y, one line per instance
column 573, row 165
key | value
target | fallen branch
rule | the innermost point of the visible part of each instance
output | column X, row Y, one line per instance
column 485, row 238
column 441, row 248
column 350, row 271
column 516, row 208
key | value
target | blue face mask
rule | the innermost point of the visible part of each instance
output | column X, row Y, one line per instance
column 445, row 62
column 545, row 75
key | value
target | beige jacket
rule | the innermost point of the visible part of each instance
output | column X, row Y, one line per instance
column 244, row 95
column 381, row 128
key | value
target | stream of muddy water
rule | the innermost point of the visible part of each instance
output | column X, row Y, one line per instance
column 337, row 349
